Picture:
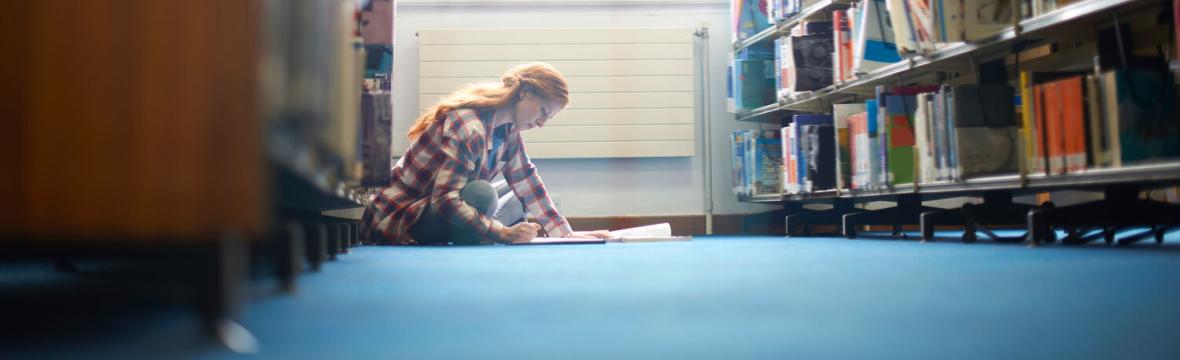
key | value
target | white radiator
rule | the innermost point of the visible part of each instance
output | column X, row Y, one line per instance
column 631, row 89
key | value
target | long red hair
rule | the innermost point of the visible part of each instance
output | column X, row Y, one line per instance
column 539, row 78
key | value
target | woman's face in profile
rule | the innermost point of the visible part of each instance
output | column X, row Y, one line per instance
column 533, row 111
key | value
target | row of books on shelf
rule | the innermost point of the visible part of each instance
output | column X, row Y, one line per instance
column 1054, row 123
column 870, row 34
column 930, row 21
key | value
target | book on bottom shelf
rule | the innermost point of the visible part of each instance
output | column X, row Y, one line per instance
column 985, row 129
column 840, row 119
column 767, row 166
column 737, row 143
column 818, row 147
column 806, row 147
column 1140, row 115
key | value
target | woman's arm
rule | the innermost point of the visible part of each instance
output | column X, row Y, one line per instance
column 526, row 183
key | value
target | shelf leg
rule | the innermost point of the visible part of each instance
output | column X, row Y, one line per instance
column 289, row 257
column 221, row 284
column 801, row 219
column 317, row 244
column 907, row 212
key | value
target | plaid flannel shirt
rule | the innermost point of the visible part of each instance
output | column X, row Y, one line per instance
column 445, row 157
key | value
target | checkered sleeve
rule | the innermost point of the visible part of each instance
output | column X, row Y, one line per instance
column 459, row 147
column 526, row 183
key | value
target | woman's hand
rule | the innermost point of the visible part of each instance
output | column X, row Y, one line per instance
column 596, row 234
column 522, row 232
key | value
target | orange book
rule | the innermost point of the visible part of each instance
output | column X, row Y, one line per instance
column 1054, row 137
column 1073, row 126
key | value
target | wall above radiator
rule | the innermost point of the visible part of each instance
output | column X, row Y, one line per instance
column 631, row 89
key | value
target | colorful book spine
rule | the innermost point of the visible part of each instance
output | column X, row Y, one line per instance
column 754, row 77
column 749, row 18
column 874, row 45
column 785, row 168
column 1054, row 139
column 820, row 154
column 859, row 154
column 1040, row 161
column 841, row 113
column 811, row 62
column 949, row 20
column 800, row 123
column 1073, row 116
column 923, row 137
column 872, row 144
column 779, row 84
column 903, row 31
column 900, row 139
column 1027, row 131
column 737, row 143
column 793, row 168
column 767, row 162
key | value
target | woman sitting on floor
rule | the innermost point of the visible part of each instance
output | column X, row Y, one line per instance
column 441, row 192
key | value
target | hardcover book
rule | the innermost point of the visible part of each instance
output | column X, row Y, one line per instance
column 812, row 62
column 767, row 162
column 818, row 147
column 873, row 43
column 754, row 78
column 803, row 156
column 840, row 117
column 899, row 146
column 985, row 129
column 749, row 18
column 859, row 152
column 376, row 135
column 1141, row 115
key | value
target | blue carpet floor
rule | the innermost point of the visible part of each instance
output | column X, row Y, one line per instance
column 711, row 298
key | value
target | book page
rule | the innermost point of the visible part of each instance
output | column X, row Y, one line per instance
column 559, row 241
column 647, row 233
column 656, row 230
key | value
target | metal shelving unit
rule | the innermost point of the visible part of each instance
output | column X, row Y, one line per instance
column 957, row 56
column 1161, row 172
column 959, row 62
column 761, row 36
column 782, row 27
column 814, row 11
column 760, row 114
column 766, row 198
column 1143, row 174
column 818, row 195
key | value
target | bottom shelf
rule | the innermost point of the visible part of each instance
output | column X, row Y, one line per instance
column 1144, row 174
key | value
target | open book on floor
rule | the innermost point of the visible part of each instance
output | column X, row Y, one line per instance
column 647, row 233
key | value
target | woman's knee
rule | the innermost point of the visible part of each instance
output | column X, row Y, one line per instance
column 481, row 195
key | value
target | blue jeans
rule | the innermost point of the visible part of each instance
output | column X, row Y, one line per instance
column 492, row 200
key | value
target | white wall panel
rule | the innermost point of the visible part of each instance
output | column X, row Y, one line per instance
column 631, row 89
column 442, row 86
